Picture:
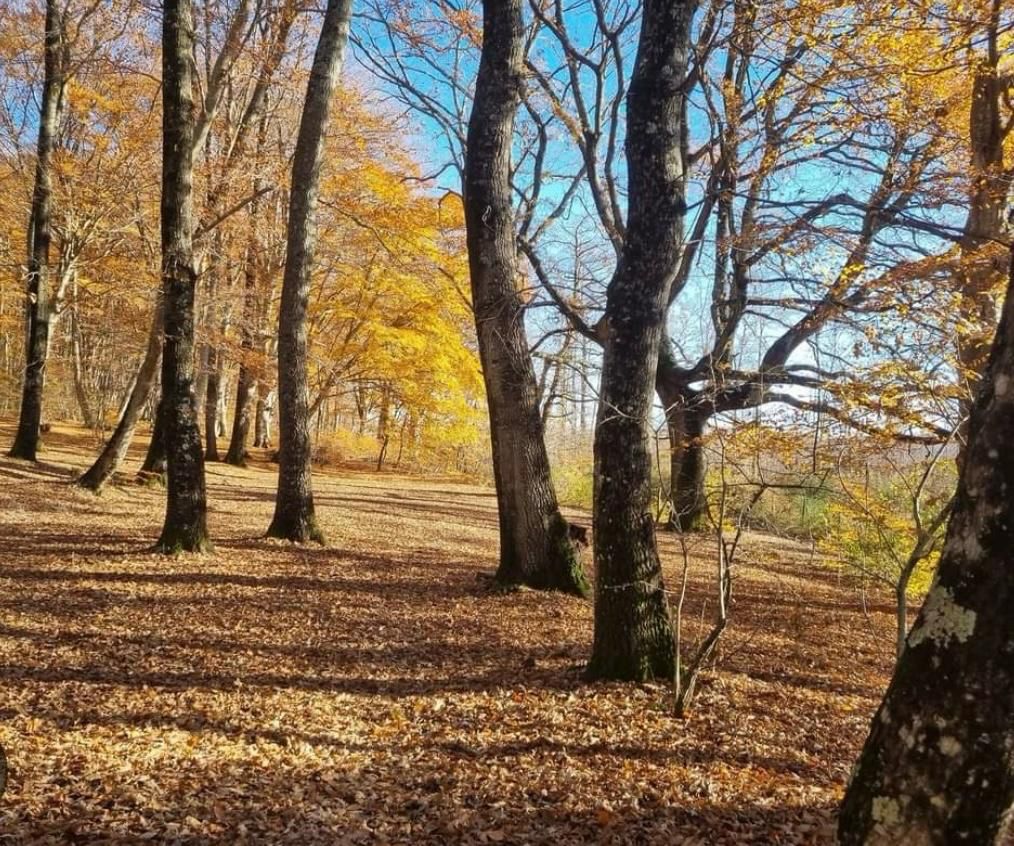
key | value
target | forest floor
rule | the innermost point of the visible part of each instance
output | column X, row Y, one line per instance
column 375, row 691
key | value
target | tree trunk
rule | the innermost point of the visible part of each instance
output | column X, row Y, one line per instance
column 116, row 447
column 246, row 383
column 155, row 461
column 211, row 405
column 633, row 631
column 294, row 517
column 26, row 440
column 535, row 547
column 185, row 527
column 937, row 766
column 88, row 416
column 687, row 467
column 262, row 419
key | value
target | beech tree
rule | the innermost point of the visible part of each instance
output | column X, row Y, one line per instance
column 535, row 547
column 185, row 527
column 633, row 631
column 26, row 440
column 936, row 767
column 294, row 517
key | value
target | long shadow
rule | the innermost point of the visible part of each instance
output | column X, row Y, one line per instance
column 398, row 687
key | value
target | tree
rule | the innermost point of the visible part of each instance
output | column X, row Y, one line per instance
column 535, row 547
column 936, row 767
column 185, row 527
column 633, row 630
column 26, row 441
column 294, row 517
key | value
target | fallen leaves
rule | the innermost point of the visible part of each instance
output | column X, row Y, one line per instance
column 375, row 692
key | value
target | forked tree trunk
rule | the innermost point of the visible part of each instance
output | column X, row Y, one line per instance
column 937, row 767
column 535, row 547
column 185, row 527
column 633, row 630
column 687, row 462
column 26, row 440
column 116, row 447
column 294, row 517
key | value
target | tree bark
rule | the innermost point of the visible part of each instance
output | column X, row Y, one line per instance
column 294, row 517
column 88, row 416
column 155, row 461
column 262, row 419
column 185, row 528
column 26, row 440
column 535, row 547
column 246, row 383
column 937, row 767
column 211, row 405
column 633, row 630
column 116, row 447
column 687, row 466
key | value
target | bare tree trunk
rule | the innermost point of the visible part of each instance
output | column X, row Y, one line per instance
column 211, row 405
column 80, row 389
column 26, row 440
column 687, row 463
column 535, row 547
column 937, row 766
column 262, row 419
column 246, row 384
column 155, row 461
column 633, row 630
column 185, row 527
column 294, row 517
column 116, row 447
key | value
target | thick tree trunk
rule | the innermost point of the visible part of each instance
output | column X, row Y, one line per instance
column 633, row 630
column 535, row 547
column 116, row 447
column 294, row 517
column 185, row 527
column 937, row 767
column 26, row 440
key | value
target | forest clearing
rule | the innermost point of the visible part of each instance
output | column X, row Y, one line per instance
column 377, row 691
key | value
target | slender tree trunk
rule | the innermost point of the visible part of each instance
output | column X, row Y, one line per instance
column 80, row 389
column 633, row 630
column 294, row 517
column 26, row 440
column 116, row 447
column 535, row 547
column 211, row 405
column 246, row 383
column 938, row 767
column 262, row 419
column 185, row 527
column 155, row 460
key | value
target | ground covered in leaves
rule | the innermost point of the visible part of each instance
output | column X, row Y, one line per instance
column 375, row 691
